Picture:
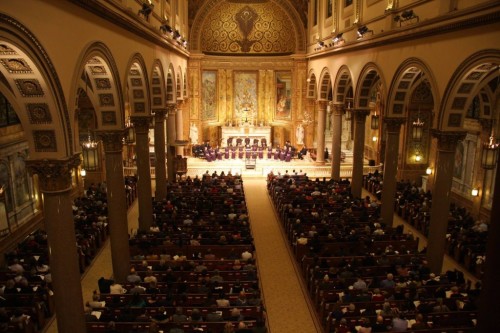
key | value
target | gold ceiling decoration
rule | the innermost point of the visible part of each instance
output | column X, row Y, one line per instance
column 249, row 29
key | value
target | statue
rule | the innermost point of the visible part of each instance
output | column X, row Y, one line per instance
column 299, row 134
column 193, row 134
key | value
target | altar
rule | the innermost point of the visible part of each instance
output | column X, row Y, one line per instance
column 246, row 131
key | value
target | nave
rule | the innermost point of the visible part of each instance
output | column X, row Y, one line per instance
column 288, row 306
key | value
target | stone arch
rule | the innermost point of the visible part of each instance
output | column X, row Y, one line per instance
column 97, row 78
column 138, row 87
column 213, row 6
column 29, row 81
column 343, row 82
column 467, row 81
column 178, row 84
column 311, row 86
column 325, row 86
column 410, row 74
column 369, row 77
column 171, row 85
column 158, row 93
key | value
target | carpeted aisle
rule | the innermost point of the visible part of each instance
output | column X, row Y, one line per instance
column 286, row 304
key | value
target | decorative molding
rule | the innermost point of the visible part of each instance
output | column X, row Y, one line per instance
column 45, row 141
column 54, row 175
column 159, row 115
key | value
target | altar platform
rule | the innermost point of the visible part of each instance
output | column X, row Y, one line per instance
column 262, row 167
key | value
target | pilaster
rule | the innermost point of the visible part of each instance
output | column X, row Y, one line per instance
column 359, row 116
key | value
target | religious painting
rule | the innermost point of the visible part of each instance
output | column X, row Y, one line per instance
column 459, row 160
column 245, row 96
column 283, row 95
column 20, row 180
column 209, row 95
column 329, row 8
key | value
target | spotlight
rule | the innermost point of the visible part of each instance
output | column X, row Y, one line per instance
column 475, row 192
column 147, row 8
column 428, row 171
column 338, row 38
column 321, row 43
column 165, row 28
column 407, row 14
column 363, row 30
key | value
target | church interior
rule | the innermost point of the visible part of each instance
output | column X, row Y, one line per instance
column 319, row 146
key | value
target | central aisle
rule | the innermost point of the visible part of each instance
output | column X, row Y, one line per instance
column 286, row 303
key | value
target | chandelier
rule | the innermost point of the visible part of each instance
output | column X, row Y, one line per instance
column 418, row 128
column 90, row 154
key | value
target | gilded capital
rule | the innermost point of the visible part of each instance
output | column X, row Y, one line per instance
column 338, row 109
column 322, row 104
column 54, row 175
column 393, row 124
column 112, row 140
column 447, row 141
column 171, row 109
column 141, row 124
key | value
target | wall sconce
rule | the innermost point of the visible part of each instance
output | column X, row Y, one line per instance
column 475, row 192
column 348, row 111
column 418, row 157
column 375, row 121
column 428, row 171
column 362, row 31
column 90, row 154
column 338, row 38
column 147, row 8
column 489, row 156
column 83, row 173
column 129, row 132
column 374, row 139
column 418, row 128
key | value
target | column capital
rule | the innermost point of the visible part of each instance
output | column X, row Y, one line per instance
column 360, row 114
column 447, row 140
column 112, row 140
column 393, row 124
column 171, row 109
column 54, row 175
column 338, row 109
column 322, row 104
column 160, row 114
column 179, row 103
column 141, row 124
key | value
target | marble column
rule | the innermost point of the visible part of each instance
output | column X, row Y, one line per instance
column 171, row 136
column 338, row 110
column 160, row 155
column 141, row 125
column 440, row 210
column 393, row 127
column 117, row 204
column 489, row 304
column 320, row 134
column 359, row 117
column 179, row 128
column 55, row 184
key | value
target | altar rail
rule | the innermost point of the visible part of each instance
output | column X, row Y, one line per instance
column 313, row 171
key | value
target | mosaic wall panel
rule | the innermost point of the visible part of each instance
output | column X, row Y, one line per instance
column 283, row 95
column 139, row 107
column 459, row 103
column 157, row 101
column 138, row 93
column 136, row 82
column 209, row 95
column 257, row 28
column 454, row 120
column 245, row 93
